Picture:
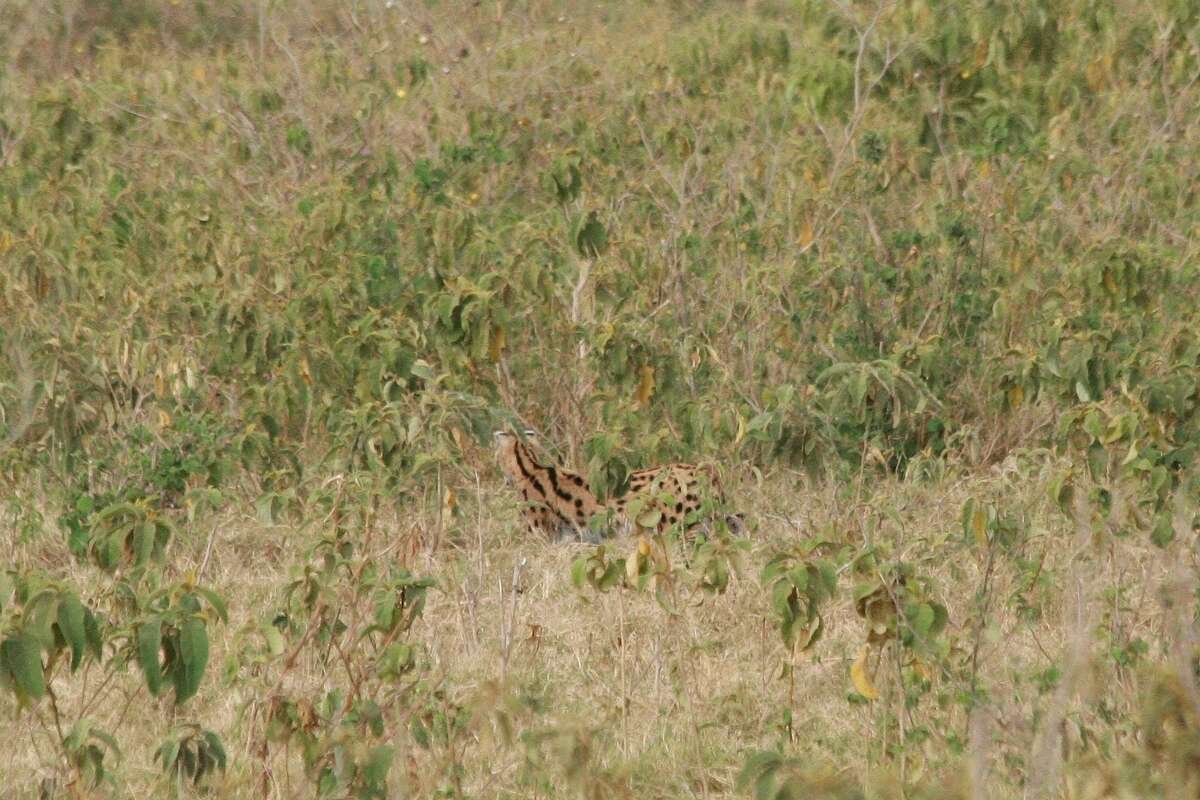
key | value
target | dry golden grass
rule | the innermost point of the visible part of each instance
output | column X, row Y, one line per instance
column 639, row 701
column 870, row 237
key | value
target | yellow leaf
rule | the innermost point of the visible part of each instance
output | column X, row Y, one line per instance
column 1110, row 283
column 1132, row 455
column 806, row 234
column 979, row 526
column 645, row 385
column 631, row 568
column 860, row 676
column 981, row 53
column 1016, row 395
column 305, row 372
column 1097, row 74
column 497, row 343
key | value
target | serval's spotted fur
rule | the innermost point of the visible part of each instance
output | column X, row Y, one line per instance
column 687, row 495
column 558, row 502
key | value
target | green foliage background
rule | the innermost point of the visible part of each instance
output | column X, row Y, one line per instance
column 246, row 248
column 829, row 234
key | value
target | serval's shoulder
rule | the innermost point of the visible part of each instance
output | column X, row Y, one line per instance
column 557, row 501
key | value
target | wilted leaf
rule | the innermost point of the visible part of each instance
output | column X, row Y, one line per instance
column 860, row 675
column 806, row 235
column 645, row 387
column 978, row 523
column 649, row 519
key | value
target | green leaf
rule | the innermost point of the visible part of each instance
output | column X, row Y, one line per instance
column 775, row 566
column 326, row 783
column 1097, row 461
column 274, row 639
column 378, row 764
column 91, row 630
column 799, row 577
column 193, row 658
column 6, row 588
column 760, row 421
column 781, row 599
column 167, row 752
column 71, row 625
column 612, row 575
column 117, row 509
column 579, row 570
column 1061, row 491
column 106, row 738
column 143, row 543
column 216, row 601
column 816, row 629
column 940, row 619
column 21, row 656
column 110, row 552
column 828, row 572
column 41, row 612
column 422, row 369
column 922, row 619
column 567, row 190
column 149, row 644
column 264, row 508
column 592, row 239
column 1164, row 532
column 216, row 748
column 385, row 611
column 420, row 733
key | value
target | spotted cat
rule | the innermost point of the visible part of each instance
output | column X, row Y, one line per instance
column 674, row 494
column 558, row 502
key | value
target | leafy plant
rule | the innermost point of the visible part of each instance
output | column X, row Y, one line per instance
column 190, row 753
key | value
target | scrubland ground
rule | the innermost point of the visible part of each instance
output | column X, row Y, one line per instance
column 526, row 685
column 919, row 278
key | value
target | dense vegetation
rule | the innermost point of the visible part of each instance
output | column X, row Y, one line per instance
column 921, row 277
